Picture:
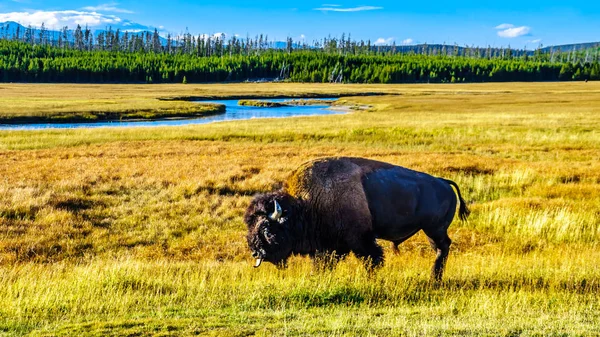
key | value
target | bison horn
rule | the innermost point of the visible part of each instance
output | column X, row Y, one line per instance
column 258, row 262
column 277, row 213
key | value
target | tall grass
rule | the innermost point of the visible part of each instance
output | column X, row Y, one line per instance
column 61, row 296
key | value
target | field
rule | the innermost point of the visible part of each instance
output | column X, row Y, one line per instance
column 139, row 231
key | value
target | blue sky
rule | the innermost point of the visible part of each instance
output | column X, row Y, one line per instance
column 499, row 23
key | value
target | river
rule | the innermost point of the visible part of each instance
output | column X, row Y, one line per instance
column 233, row 112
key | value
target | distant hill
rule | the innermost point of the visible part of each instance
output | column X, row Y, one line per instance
column 451, row 49
column 9, row 30
column 441, row 49
column 571, row 47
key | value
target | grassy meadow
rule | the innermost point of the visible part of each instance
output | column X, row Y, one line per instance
column 139, row 231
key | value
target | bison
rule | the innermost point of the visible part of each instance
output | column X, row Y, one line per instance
column 340, row 205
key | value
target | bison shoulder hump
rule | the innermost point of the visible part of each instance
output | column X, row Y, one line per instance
column 322, row 176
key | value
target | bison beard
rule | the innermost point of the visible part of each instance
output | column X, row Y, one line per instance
column 340, row 205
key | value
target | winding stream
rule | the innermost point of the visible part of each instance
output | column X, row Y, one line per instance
column 233, row 112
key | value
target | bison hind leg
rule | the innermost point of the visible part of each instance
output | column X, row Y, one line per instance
column 440, row 242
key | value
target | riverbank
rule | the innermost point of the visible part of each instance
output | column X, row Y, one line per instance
column 87, row 103
column 162, row 111
column 262, row 103
column 232, row 111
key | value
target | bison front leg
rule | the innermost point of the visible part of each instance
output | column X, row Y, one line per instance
column 327, row 260
column 395, row 249
column 282, row 265
column 367, row 249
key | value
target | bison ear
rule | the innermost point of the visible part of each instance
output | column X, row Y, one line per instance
column 277, row 213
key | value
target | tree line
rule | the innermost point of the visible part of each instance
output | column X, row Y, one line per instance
column 113, row 56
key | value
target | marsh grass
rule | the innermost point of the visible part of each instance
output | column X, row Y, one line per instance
column 139, row 231
column 18, row 107
column 262, row 104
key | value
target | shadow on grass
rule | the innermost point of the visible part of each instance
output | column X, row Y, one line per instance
column 414, row 292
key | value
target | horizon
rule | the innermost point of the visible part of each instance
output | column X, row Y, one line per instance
column 384, row 23
column 164, row 35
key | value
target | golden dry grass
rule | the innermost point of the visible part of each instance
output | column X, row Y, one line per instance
column 139, row 231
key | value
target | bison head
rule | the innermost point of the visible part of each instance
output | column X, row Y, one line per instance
column 270, row 219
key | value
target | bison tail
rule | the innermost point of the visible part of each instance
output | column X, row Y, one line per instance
column 463, row 211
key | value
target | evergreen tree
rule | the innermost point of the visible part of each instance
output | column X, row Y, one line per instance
column 29, row 35
column 78, row 35
column 87, row 37
column 43, row 38
column 135, row 58
column 156, row 42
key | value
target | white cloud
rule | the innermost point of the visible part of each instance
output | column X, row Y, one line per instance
column 514, row 32
column 59, row 19
column 505, row 26
column 108, row 7
column 55, row 20
column 336, row 8
column 536, row 41
column 509, row 30
column 384, row 42
column 408, row 41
